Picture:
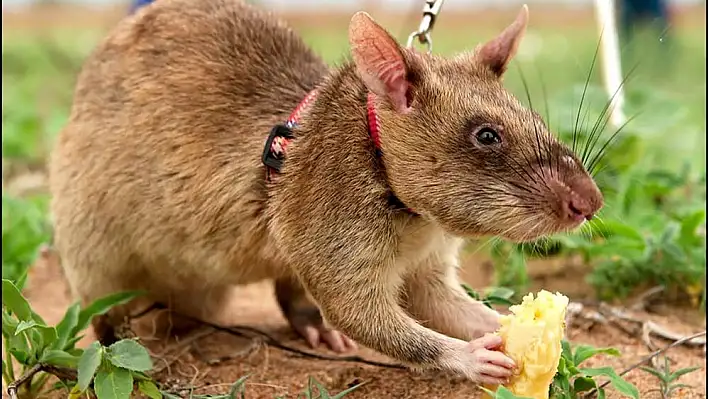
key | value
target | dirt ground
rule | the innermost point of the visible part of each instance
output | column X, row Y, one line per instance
column 200, row 360
column 211, row 361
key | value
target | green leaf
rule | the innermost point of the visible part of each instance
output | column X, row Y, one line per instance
column 563, row 370
column 347, row 391
column 324, row 394
column 503, row 393
column 130, row 355
column 561, row 387
column 615, row 228
column 69, row 345
column 88, row 364
column 15, row 302
column 670, row 232
column 59, row 358
column 48, row 334
column 114, row 383
column 566, row 351
column 66, row 326
column 677, row 374
column 9, row 324
column 501, row 292
column 656, row 373
column 471, row 292
column 75, row 392
column 22, row 356
column 140, row 376
column 169, row 395
column 488, row 391
column 18, row 346
column 38, row 318
column 149, row 389
column 24, row 325
column 690, row 224
column 677, row 386
column 585, row 352
column 239, row 388
column 101, row 306
column 582, row 384
column 622, row 386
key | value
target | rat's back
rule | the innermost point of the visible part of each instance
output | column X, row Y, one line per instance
column 157, row 174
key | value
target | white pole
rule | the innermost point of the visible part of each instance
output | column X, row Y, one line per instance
column 610, row 58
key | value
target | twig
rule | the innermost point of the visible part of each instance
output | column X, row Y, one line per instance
column 268, row 339
column 60, row 372
column 672, row 336
column 649, row 357
column 253, row 345
column 15, row 385
column 180, row 348
column 249, row 332
column 641, row 302
column 645, row 329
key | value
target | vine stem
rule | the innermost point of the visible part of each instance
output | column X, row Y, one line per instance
column 649, row 357
column 60, row 372
column 15, row 385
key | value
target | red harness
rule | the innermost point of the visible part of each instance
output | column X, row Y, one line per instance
column 281, row 135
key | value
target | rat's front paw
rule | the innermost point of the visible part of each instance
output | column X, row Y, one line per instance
column 486, row 322
column 487, row 365
column 308, row 323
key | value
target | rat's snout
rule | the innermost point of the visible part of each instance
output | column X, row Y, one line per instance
column 578, row 209
column 578, row 198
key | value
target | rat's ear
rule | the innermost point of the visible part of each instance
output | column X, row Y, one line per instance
column 498, row 52
column 379, row 60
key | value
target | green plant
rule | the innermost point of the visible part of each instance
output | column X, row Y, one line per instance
column 571, row 379
column 509, row 265
column 40, row 350
column 315, row 390
column 492, row 296
column 114, row 371
column 667, row 379
column 24, row 230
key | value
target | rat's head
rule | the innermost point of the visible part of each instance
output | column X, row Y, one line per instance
column 460, row 149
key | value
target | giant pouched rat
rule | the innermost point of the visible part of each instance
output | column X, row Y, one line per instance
column 158, row 182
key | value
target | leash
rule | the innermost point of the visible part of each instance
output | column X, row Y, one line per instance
column 431, row 9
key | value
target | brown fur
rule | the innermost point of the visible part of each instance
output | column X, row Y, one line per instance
column 157, row 182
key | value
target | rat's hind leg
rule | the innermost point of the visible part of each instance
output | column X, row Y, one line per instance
column 93, row 281
column 186, row 302
column 305, row 318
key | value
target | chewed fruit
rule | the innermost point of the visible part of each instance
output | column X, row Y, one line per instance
column 532, row 336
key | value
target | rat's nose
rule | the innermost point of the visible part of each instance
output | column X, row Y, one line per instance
column 579, row 209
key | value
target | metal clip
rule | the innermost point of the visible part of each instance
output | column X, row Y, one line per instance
column 430, row 13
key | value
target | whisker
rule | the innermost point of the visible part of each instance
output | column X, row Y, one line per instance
column 505, row 158
column 603, row 119
column 585, row 88
column 601, row 153
column 528, row 96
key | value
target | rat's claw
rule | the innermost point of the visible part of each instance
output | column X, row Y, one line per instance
column 314, row 331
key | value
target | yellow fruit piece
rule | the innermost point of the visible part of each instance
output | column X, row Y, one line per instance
column 532, row 336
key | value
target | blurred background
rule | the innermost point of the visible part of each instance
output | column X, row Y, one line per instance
column 652, row 231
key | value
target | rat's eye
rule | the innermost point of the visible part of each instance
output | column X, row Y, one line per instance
column 487, row 136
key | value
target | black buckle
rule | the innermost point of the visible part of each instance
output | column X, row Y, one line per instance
column 269, row 159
